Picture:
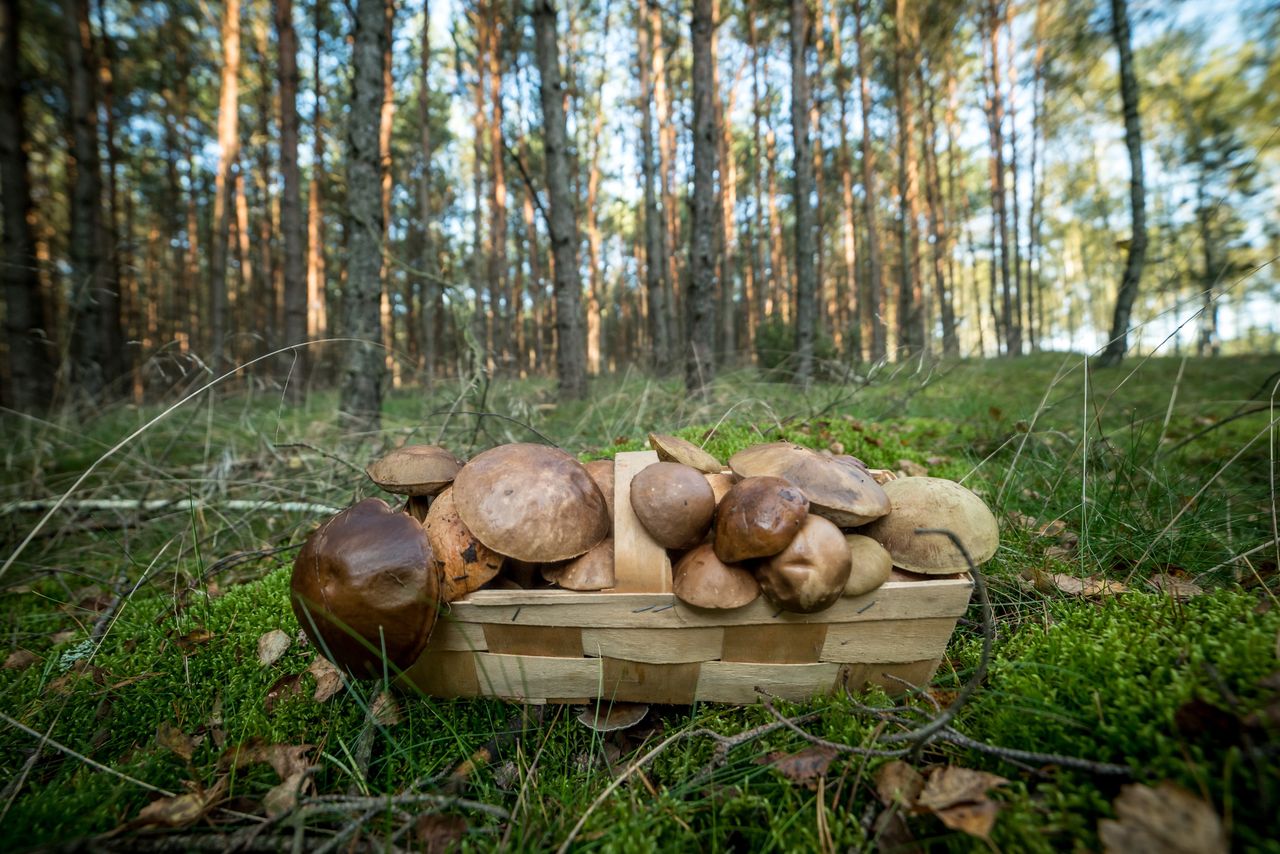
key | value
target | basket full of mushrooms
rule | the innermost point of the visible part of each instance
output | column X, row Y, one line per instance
column 661, row 576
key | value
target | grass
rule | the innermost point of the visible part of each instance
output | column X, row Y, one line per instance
column 1143, row 464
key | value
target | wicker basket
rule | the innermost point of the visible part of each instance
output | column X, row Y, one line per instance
column 638, row 643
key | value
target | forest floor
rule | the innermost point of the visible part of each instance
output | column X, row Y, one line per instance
column 1134, row 600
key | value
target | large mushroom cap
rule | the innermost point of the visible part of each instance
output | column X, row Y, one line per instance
column 932, row 502
column 838, row 490
column 871, row 565
column 810, row 573
column 674, row 503
column 704, row 581
column 591, row 571
column 464, row 563
column 673, row 449
column 364, row 582
column 414, row 470
column 531, row 502
column 758, row 518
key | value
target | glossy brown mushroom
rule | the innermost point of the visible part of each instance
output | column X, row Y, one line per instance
column 841, row 491
column 932, row 502
column 758, row 517
column 674, row 503
column 705, row 581
column 364, row 582
column 531, row 502
column 810, row 573
column 673, row 449
column 414, row 470
column 464, row 563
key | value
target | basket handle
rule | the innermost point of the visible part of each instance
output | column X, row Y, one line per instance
column 640, row 565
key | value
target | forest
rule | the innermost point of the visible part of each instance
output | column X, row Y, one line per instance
column 1015, row 256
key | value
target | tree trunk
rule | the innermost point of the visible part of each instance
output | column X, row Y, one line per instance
column 1015, row 203
column 656, row 289
column 317, row 319
column 699, row 368
column 113, row 238
column 1119, row 342
column 385, row 119
column 911, row 315
column 757, row 237
column 1035, row 215
column 228, row 153
column 1011, row 334
column 571, row 344
column 937, row 223
column 363, row 370
column 291, row 225
column 499, row 299
column 667, row 156
column 806, row 281
column 595, row 284
column 873, row 324
column 426, row 258
column 28, row 379
column 847, row 296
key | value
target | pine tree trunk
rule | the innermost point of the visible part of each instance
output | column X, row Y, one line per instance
column 595, row 283
column 291, row 225
column 757, row 236
column 873, row 325
column 426, row 258
column 1119, row 341
column 1015, row 204
column 228, row 153
column 385, row 119
column 27, row 381
column 570, row 341
column 937, row 223
column 699, row 367
column 656, row 290
column 911, row 314
column 847, row 288
column 115, row 240
column 806, row 279
column 317, row 315
column 1008, row 324
column 499, row 299
column 667, row 164
column 363, row 370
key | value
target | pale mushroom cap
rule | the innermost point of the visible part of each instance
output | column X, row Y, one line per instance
column 591, row 571
column 414, row 470
column 871, row 565
column 531, row 502
column 673, row 449
column 601, row 472
column 836, row 489
column 610, row 716
column 674, row 503
column 464, row 563
column 704, row 581
column 721, row 482
column 758, row 518
column 810, row 574
column 932, row 502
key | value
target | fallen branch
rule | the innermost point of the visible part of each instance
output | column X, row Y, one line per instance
column 41, row 505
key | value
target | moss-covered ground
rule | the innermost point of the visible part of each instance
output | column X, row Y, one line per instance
column 123, row 627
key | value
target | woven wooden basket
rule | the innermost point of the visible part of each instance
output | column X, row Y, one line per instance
column 637, row 643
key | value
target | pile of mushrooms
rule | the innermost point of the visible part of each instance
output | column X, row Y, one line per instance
column 802, row 528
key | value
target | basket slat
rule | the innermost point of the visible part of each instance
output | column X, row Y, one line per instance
column 673, row 646
column 556, row 641
column 784, row 644
column 736, row 681
column 883, row 642
column 531, row 677
column 643, row 682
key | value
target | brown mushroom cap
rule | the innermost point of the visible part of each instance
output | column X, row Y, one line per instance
column 932, row 502
column 531, row 502
column 364, row 581
column 810, row 573
column 673, row 449
column 704, row 581
column 591, row 571
column 838, row 490
column 674, row 502
column 464, row 563
column 609, row 716
column 414, row 470
column 601, row 472
column 721, row 482
column 758, row 517
column 872, row 565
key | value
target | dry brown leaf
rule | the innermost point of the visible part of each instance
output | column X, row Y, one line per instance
column 271, row 646
column 1022, row 520
column 192, row 639
column 1092, row 586
column 950, row 785
column 1178, row 588
column 328, row 678
column 283, row 796
column 898, row 782
column 974, row 819
column 181, row 810
column 58, row 638
column 289, row 685
column 1166, row 819
column 911, row 468
column 804, row 767
column 173, row 739
column 437, row 833
column 20, row 659
column 288, row 760
column 385, row 710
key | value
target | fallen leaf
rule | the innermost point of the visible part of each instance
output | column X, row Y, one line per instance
column 384, row 710
column 1166, row 819
column 20, row 659
column 289, row 685
column 1091, row 586
column 974, row 819
column 192, row 639
column 437, row 833
column 177, row 742
column 59, row 638
column 911, row 468
column 950, row 785
column 283, row 797
column 898, row 782
column 181, row 810
column 328, row 678
column 1022, row 520
column 271, row 646
column 836, row 448
column 804, row 767
column 288, row 760
column 1178, row 588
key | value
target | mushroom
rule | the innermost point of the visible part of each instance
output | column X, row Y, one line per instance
column 871, row 565
column 933, row 502
column 838, row 490
column 704, row 581
column 601, row 472
column 721, row 482
column 758, row 517
column 531, row 502
column 418, row 471
column 810, row 573
column 591, row 571
column 673, row 449
column 464, row 563
column 674, row 502
column 610, row 716
column 364, row 584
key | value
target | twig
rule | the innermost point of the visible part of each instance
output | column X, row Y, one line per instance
column 321, row 451
column 57, row 745
column 178, row 504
